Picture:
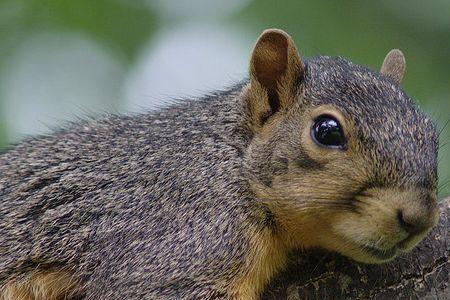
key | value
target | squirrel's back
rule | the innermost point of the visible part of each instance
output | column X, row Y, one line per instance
column 161, row 187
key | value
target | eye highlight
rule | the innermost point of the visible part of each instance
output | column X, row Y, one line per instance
column 327, row 132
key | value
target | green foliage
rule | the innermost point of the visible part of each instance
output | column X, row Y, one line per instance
column 124, row 27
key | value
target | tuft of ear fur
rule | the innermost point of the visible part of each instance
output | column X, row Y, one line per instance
column 394, row 65
column 275, row 73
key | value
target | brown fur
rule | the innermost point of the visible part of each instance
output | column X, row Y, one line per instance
column 48, row 285
column 268, row 255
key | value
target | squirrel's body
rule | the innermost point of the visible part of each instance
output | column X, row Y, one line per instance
column 129, row 189
column 186, row 202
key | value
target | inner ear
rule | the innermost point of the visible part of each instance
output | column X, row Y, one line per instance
column 275, row 67
column 269, row 57
column 274, row 103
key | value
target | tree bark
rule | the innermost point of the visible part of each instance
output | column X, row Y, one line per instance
column 422, row 274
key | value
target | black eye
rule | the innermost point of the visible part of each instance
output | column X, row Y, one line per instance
column 327, row 132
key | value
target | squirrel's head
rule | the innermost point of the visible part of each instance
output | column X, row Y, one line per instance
column 340, row 155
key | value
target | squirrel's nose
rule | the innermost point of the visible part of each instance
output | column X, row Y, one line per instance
column 413, row 223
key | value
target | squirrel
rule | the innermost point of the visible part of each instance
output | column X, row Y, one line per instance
column 206, row 198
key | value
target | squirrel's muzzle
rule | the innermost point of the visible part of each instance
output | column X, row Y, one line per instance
column 412, row 213
column 389, row 221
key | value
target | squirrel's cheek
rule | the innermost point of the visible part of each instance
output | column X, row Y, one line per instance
column 368, row 236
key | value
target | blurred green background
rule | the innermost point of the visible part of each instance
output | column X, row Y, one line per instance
column 61, row 59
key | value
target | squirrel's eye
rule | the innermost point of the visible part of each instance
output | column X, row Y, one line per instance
column 327, row 132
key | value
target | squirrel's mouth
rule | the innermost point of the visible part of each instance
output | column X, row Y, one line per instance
column 381, row 254
column 372, row 255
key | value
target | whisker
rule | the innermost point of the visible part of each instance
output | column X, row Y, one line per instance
column 443, row 128
column 380, row 240
column 443, row 185
column 442, row 146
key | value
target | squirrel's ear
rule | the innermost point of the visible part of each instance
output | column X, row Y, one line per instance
column 394, row 65
column 275, row 72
